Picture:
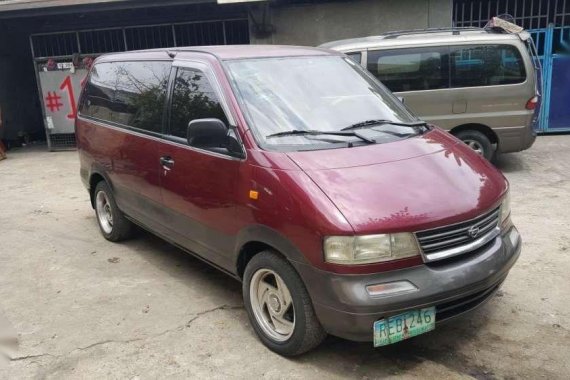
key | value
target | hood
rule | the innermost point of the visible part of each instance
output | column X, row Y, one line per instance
column 408, row 185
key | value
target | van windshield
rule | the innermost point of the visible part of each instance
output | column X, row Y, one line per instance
column 300, row 103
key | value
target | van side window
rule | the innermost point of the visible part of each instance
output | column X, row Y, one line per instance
column 127, row 93
column 410, row 69
column 97, row 100
column 356, row 56
column 487, row 65
column 140, row 94
column 193, row 98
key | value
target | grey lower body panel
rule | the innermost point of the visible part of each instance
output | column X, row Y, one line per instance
column 453, row 286
column 515, row 139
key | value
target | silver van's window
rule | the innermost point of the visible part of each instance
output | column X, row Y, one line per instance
column 355, row 56
column 323, row 93
column 411, row 69
column 487, row 65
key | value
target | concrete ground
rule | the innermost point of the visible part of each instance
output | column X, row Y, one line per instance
column 87, row 308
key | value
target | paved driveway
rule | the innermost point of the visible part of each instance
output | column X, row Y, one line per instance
column 85, row 307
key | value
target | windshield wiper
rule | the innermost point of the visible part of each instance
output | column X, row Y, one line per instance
column 369, row 123
column 314, row 132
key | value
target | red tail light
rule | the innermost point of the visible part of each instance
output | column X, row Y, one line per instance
column 532, row 102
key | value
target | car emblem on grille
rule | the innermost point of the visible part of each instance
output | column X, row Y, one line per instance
column 473, row 232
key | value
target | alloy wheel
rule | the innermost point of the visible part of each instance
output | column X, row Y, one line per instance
column 104, row 213
column 272, row 305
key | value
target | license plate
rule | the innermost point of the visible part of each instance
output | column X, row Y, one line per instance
column 403, row 326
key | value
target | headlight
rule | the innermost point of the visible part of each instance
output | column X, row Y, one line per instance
column 370, row 248
column 505, row 207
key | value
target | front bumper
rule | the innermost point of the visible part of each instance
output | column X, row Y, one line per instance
column 454, row 286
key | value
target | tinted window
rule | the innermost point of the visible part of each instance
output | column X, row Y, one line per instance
column 99, row 92
column 193, row 98
column 128, row 93
column 140, row 94
column 410, row 69
column 486, row 66
column 355, row 56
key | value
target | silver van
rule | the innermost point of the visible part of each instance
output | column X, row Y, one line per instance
column 479, row 84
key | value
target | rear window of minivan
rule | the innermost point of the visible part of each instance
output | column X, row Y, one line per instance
column 130, row 94
column 416, row 69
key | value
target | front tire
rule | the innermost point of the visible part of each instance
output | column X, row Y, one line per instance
column 112, row 222
column 478, row 142
column 279, row 307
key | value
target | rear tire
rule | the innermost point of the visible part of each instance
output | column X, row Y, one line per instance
column 478, row 142
column 112, row 222
column 279, row 307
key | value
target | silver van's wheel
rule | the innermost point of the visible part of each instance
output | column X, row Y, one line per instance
column 477, row 141
column 272, row 304
column 279, row 307
column 112, row 222
column 475, row 145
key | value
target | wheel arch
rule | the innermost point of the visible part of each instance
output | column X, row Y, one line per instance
column 484, row 129
column 258, row 238
column 95, row 177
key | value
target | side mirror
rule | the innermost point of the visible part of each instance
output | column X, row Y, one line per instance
column 207, row 133
column 213, row 135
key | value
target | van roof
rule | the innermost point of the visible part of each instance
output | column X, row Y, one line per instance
column 222, row 52
column 443, row 36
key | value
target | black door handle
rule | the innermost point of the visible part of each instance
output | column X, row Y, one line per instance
column 167, row 161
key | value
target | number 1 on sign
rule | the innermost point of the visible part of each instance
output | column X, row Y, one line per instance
column 66, row 84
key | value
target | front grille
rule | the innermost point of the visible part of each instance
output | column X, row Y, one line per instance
column 450, row 309
column 447, row 241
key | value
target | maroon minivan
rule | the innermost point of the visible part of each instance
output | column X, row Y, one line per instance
column 298, row 173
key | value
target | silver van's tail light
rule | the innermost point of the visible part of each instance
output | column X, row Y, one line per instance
column 532, row 103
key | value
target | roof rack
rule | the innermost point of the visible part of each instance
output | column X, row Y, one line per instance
column 453, row 30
